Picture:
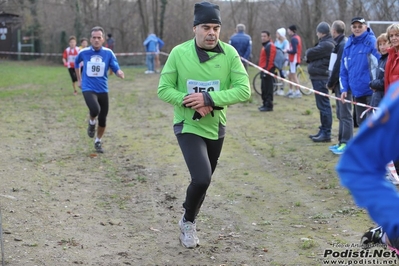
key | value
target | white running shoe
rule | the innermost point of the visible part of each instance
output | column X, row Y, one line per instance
column 296, row 94
column 188, row 235
column 290, row 93
column 280, row 92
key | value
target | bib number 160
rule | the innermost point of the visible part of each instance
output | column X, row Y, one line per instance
column 199, row 89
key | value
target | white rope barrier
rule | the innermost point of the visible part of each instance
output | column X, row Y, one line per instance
column 309, row 89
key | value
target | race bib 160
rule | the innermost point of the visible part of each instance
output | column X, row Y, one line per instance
column 194, row 86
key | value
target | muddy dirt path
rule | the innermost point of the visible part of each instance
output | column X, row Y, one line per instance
column 274, row 199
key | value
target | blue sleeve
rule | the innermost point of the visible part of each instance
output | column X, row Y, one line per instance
column 294, row 46
column 249, row 48
column 160, row 43
column 343, row 73
column 362, row 167
column 113, row 62
column 78, row 59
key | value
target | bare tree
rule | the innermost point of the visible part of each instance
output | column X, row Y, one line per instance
column 130, row 21
column 144, row 17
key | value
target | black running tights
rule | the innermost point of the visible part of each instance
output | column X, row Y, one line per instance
column 201, row 156
column 98, row 106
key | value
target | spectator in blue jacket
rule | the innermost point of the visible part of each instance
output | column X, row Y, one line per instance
column 152, row 45
column 362, row 169
column 242, row 42
column 358, row 65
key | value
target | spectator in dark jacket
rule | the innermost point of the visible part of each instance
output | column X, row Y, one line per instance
column 343, row 110
column 242, row 42
column 318, row 58
column 377, row 84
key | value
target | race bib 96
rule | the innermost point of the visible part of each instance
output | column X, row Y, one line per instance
column 95, row 67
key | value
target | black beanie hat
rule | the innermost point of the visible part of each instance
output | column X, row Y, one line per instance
column 323, row 27
column 292, row 28
column 206, row 12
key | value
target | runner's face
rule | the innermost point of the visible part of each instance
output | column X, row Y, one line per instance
column 84, row 44
column 97, row 39
column 207, row 35
column 72, row 43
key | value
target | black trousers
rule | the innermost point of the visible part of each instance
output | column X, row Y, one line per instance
column 201, row 156
column 98, row 106
column 267, row 89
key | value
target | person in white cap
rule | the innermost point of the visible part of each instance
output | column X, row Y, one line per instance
column 282, row 43
column 359, row 63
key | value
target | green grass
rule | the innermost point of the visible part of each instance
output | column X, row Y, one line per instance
column 270, row 175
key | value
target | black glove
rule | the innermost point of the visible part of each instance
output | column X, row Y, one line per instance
column 197, row 115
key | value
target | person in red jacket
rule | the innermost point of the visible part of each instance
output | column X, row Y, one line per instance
column 266, row 61
column 68, row 58
column 294, row 57
column 392, row 65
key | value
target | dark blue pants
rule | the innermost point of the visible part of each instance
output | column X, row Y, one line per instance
column 324, row 106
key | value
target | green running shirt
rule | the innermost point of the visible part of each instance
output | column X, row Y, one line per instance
column 223, row 76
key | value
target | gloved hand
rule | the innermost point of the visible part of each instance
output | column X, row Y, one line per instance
column 197, row 115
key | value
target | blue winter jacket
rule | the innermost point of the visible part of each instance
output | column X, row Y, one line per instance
column 243, row 44
column 359, row 63
column 152, row 43
column 362, row 166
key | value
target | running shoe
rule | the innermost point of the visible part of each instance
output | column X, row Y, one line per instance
column 333, row 147
column 372, row 237
column 295, row 94
column 98, row 147
column 188, row 235
column 280, row 92
column 340, row 150
column 289, row 93
column 91, row 130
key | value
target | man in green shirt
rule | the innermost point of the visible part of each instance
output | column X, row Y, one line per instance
column 200, row 79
